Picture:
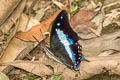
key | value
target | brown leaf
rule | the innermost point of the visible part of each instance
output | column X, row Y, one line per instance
column 97, row 65
column 8, row 26
column 15, row 45
column 83, row 27
column 38, row 30
column 36, row 68
column 81, row 21
column 3, row 76
column 6, row 8
column 82, row 16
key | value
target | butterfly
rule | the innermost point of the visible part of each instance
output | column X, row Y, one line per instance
column 64, row 43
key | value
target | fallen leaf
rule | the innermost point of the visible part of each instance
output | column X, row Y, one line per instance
column 97, row 65
column 6, row 8
column 83, row 28
column 82, row 16
column 15, row 45
column 31, row 23
column 8, row 26
column 81, row 22
column 3, row 76
column 39, row 14
column 36, row 68
column 14, row 16
column 38, row 30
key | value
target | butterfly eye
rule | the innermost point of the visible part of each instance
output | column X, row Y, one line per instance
column 58, row 24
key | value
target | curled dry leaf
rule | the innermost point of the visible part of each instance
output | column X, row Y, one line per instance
column 96, row 65
column 38, row 30
column 81, row 21
column 82, row 16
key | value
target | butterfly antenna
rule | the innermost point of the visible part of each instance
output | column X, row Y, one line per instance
column 36, row 39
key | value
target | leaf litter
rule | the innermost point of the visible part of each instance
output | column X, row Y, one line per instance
column 38, row 30
column 87, row 69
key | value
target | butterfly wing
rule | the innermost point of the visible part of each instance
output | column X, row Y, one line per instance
column 62, row 23
column 64, row 41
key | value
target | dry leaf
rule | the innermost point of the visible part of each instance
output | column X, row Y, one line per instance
column 97, row 65
column 15, row 46
column 3, row 76
column 60, row 5
column 31, row 23
column 39, row 14
column 81, row 22
column 95, row 46
column 36, row 68
column 6, row 8
column 38, row 30
column 8, row 27
column 82, row 16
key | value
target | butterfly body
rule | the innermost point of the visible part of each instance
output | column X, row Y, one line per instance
column 64, row 42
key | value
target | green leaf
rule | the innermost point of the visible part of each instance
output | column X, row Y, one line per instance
column 28, row 78
column 79, row 1
column 58, row 77
column 75, row 9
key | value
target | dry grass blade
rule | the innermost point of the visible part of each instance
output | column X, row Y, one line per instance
column 60, row 5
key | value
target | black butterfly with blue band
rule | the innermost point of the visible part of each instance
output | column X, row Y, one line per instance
column 64, row 43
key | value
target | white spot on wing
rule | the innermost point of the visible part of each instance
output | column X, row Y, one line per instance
column 61, row 17
column 58, row 24
column 78, row 47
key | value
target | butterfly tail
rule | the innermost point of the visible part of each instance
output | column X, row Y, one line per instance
column 84, row 59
